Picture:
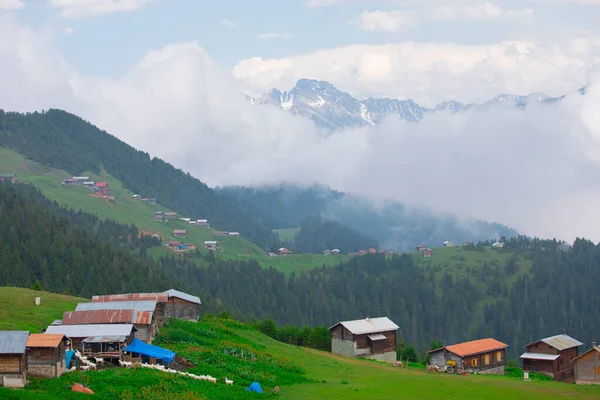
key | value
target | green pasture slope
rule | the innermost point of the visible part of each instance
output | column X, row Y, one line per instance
column 224, row 348
column 130, row 211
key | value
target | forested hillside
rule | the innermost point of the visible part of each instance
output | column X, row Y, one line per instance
column 317, row 235
column 394, row 225
column 75, row 252
column 64, row 141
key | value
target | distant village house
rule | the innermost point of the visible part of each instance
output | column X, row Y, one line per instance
column 211, row 245
column 370, row 337
column 335, row 252
column 498, row 245
column 8, row 178
column 552, row 356
column 284, row 252
column 182, row 233
column 448, row 244
column 484, row 356
column 427, row 253
column 421, row 247
column 327, row 252
column 13, row 359
column 235, row 234
column 221, row 233
column 170, row 215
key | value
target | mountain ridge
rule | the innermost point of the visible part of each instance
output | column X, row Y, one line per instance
column 332, row 109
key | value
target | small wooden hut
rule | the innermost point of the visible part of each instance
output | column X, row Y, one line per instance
column 182, row 305
column 100, row 340
column 13, row 361
column 46, row 357
column 587, row 367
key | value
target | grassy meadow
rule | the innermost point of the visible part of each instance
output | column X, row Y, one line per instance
column 224, row 348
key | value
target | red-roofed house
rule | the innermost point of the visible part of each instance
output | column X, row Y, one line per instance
column 484, row 356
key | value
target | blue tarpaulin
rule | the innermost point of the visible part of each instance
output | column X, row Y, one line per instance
column 69, row 356
column 254, row 387
column 137, row 346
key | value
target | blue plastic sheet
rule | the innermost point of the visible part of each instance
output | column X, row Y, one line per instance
column 69, row 356
column 137, row 346
column 254, row 387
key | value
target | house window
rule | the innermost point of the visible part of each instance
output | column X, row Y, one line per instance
column 499, row 356
column 474, row 362
column 486, row 359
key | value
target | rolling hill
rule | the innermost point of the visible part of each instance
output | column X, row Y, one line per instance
column 213, row 346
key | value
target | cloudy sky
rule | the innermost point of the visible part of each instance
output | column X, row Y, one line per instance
column 153, row 71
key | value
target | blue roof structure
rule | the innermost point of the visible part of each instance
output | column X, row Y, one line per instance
column 137, row 346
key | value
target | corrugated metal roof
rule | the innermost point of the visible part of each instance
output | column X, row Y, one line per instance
column 44, row 340
column 561, row 342
column 13, row 342
column 371, row 325
column 84, row 331
column 158, row 297
column 476, row 347
column 105, row 339
column 377, row 336
column 540, row 356
column 182, row 295
column 147, row 305
column 97, row 317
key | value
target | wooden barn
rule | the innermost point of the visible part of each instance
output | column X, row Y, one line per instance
column 13, row 359
column 46, row 357
column 139, row 313
column 9, row 178
column 97, row 340
column 182, row 305
column 552, row 356
column 484, row 356
column 587, row 367
column 370, row 337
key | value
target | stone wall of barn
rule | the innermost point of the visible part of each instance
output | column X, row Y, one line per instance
column 343, row 347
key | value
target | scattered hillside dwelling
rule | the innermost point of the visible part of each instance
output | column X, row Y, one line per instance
column 448, row 244
column 564, row 247
column 159, row 213
column 158, row 217
column 98, row 340
column 202, row 222
column 13, row 359
column 136, row 196
column 362, row 252
column 467, row 244
column 170, row 215
column 372, row 251
column 139, row 313
column 70, row 181
column 101, row 185
column 194, row 222
column 498, row 245
column 185, row 219
column 236, row 234
column 81, row 178
column 272, row 254
column 370, row 337
column 89, row 184
column 552, row 356
column 189, row 246
column 152, row 200
column 175, row 245
column 46, row 356
column 182, row 305
column 211, row 245
column 327, row 252
column 587, row 366
column 221, row 233
column 335, row 252
column 180, row 233
column 421, row 247
column 484, row 356
column 284, row 252
column 427, row 253
column 8, row 178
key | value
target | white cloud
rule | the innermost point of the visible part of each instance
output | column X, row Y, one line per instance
column 11, row 4
column 92, row 8
column 228, row 23
column 68, row 31
column 481, row 12
column 432, row 72
column 275, row 35
column 536, row 170
column 387, row 21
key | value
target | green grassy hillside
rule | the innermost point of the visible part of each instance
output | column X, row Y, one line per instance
column 287, row 234
column 19, row 312
column 224, row 348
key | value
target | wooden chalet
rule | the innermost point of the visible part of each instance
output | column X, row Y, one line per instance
column 552, row 356
column 427, row 253
column 235, row 234
column 220, row 233
column 284, row 252
column 335, row 252
column 370, row 337
column 447, row 243
column 46, row 357
column 587, row 367
column 498, row 245
column 8, row 178
column 97, row 340
column 327, row 252
column 484, row 356
column 211, row 245
column 421, row 247
column 139, row 313
column 13, row 359
column 170, row 215
column 182, row 305
column 372, row 251
column 182, row 233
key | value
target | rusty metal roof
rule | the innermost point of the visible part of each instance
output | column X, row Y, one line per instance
column 44, row 340
column 158, row 297
column 13, row 342
column 97, row 317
